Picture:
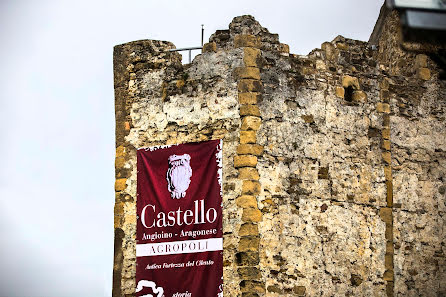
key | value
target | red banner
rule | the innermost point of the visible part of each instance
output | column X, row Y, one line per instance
column 179, row 226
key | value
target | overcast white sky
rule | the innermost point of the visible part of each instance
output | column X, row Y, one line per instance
column 57, row 119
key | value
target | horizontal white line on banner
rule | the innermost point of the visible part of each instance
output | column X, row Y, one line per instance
column 179, row 247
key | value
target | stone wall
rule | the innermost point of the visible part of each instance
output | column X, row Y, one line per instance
column 417, row 107
column 334, row 162
column 160, row 101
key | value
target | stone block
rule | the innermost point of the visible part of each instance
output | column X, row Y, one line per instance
column 120, row 184
column 245, row 161
column 320, row 65
column 387, row 157
column 323, row 173
column 386, row 145
column 250, row 122
column 251, row 57
column 249, row 244
column 388, row 275
column 245, row 40
column 299, row 290
column 308, row 118
column 119, row 209
column 384, row 85
column 330, row 51
column 284, row 48
column 356, row 279
column 246, row 201
column 117, row 221
column 250, row 187
column 389, row 232
column 349, row 81
column 385, row 96
column 209, row 47
column 383, row 107
column 340, row 92
column 308, row 70
column 386, row 120
column 251, row 286
column 386, row 133
column 248, row 98
column 250, row 149
column 389, row 247
column 424, row 73
column 120, row 151
column 248, row 173
column 180, row 83
column 385, row 214
column 388, row 261
column 388, row 172
column 249, row 273
column 119, row 162
column 359, row 96
column 420, row 61
column 247, row 72
column 248, row 229
column 249, row 110
column 251, row 215
column 247, row 258
column 390, row 289
column 248, row 137
column 389, row 193
column 126, row 126
column 342, row 46
column 275, row 289
column 249, row 85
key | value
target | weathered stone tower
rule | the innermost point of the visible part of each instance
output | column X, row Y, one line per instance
column 334, row 162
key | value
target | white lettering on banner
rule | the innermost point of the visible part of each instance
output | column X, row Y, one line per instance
column 185, row 294
column 179, row 247
column 178, row 217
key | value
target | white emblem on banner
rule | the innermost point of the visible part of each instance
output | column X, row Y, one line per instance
column 149, row 284
column 178, row 175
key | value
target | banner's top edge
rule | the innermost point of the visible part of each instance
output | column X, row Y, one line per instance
column 163, row 146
